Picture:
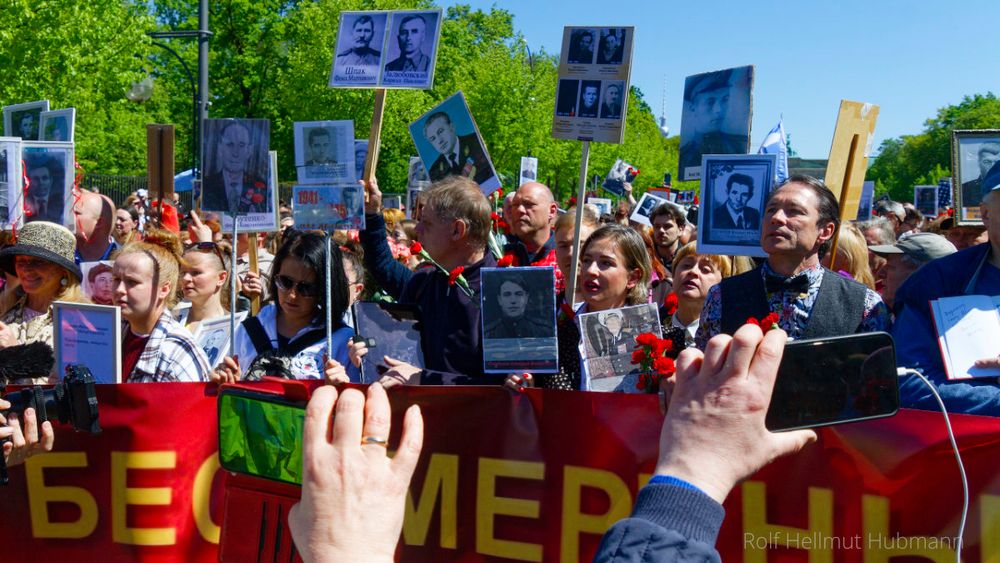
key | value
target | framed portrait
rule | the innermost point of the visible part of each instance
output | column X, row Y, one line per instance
column 413, row 203
column 974, row 152
column 411, row 49
column 644, row 208
column 529, row 170
column 602, row 204
column 519, row 320
column 10, row 182
column 865, row 202
column 360, row 155
column 608, row 340
column 449, row 143
column 214, row 339
column 685, row 197
column 416, row 174
column 944, row 192
column 663, row 193
column 392, row 202
column 24, row 120
column 48, row 195
column 620, row 173
column 237, row 167
column 359, row 51
column 324, row 152
column 925, row 199
column 716, row 117
column 734, row 189
column 329, row 208
column 58, row 125
column 88, row 335
column 98, row 281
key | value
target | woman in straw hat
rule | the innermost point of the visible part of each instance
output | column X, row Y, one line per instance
column 42, row 260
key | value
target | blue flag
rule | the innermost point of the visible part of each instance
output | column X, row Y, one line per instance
column 775, row 143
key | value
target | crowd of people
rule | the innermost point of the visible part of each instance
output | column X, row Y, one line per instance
column 171, row 271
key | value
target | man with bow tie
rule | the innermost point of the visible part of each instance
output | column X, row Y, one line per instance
column 800, row 219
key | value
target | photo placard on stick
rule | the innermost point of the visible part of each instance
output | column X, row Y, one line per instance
column 644, row 208
column 449, row 143
column 392, row 202
column 328, row 208
column 48, row 196
column 853, row 139
column 24, row 120
column 925, row 199
column 608, row 340
column 734, row 190
column 237, row 174
column 88, row 335
column 974, row 152
column 529, row 170
column 58, row 125
column 98, row 281
column 865, row 202
column 603, row 204
column 716, row 117
column 519, row 322
column 214, row 339
column 685, row 197
column 357, row 59
column 324, row 152
column 620, row 173
column 11, row 193
column 592, row 93
column 360, row 154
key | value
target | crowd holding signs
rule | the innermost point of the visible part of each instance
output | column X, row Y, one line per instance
column 465, row 285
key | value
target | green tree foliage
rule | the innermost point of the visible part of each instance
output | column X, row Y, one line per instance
column 84, row 55
column 911, row 160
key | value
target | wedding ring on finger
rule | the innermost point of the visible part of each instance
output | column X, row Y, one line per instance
column 377, row 440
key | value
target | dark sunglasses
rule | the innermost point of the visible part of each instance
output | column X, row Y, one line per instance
column 303, row 289
column 206, row 246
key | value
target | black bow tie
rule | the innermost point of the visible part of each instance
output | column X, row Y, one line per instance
column 795, row 284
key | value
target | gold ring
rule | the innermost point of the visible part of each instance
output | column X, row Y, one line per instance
column 378, row 440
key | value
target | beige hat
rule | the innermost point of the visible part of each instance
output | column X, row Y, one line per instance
column 48, row 241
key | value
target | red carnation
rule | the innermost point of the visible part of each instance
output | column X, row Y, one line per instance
column 638, row 355
column 494, row 216
column 752, row 321
column 506, row 261
column 664, row 366
column 416, row 248
column 257, row 198
column 572, row 200
column 646, row 339
column 662, row 346
column 640, row 383
column 670, row 303
column 453, row 275
column 770, row 321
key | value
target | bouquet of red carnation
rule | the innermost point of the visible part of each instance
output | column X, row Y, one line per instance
column 654, row 365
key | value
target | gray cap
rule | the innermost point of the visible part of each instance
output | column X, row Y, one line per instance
column 922, row 247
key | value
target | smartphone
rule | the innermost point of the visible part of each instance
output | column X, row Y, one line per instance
column 260, row 434
column 826, row 381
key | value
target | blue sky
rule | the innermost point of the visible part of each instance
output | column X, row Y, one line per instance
column 910, row 58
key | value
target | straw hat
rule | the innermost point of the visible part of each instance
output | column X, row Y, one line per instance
column 48, row 241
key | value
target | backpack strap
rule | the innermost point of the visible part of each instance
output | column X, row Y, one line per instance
column 305, row 341
column 258, row 337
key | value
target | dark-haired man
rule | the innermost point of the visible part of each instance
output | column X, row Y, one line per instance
column 360, row 53
column 800, row 219
column 410, row 37
column 734, row 213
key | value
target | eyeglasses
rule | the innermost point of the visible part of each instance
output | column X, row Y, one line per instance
column 205, row 246
column 304, row 289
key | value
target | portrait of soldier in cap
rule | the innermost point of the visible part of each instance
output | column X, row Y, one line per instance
column 716, row 118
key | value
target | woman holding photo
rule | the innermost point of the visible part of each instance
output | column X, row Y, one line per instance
column 155, row 347
column 288, row 337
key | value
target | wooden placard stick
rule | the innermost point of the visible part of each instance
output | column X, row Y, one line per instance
column 581, row 194
column 845, row 170
column 160, row 164
column 255, row 268
column 374, row 136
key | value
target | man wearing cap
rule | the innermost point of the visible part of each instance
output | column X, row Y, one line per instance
column 800, row 218
column 905, row 257
column 972, row 193
column 706, row 102
column 973, row 271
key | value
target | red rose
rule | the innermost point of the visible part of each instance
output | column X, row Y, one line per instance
column 416, row 248
column 505, row 261
column 646, row 339
column 664, row 366
column 453, row 275
column 257, row 198
column 670, row 303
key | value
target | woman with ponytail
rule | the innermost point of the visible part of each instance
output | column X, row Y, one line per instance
column 155, row 347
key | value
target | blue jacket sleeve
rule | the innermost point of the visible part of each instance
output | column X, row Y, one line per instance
column 917, row 348
column 389, row 274
column 668, row 523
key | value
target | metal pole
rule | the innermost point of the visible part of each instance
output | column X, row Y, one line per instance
column 203, row 35
column 329, row 298
column 232, row 286
column 581, row 194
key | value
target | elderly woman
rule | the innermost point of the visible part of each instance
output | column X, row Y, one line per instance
column 42, row 260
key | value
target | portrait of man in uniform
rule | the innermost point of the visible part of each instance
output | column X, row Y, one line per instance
column 360, row 52
column 611, row 105
column 987, row 156
column 459, row 155
column 518, row 317
column 715, row 118
column 410, row 37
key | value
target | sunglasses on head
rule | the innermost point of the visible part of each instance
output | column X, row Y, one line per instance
column 206, row 246
column 303, row 289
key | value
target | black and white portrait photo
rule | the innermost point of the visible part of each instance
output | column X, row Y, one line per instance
column 24, row 120
column 620, row 173
column 529, row 170
column 581, row 46
column 360, row 155
column 590, row 94
column 644, row 208
column 608, row 342
column 734, row 189
column 974, row 154
column 519, row 325
column 358, row 55
column 612, row 98
column 611, row 50
column 411, row 49
column 925, row 199
column 450, row 145
column 58, row 125
column 566, row 98
column 416, row 174
column 715, row 118
column 212, row 337
column 236, row 166
column 10, row 182
column 324, row 152
column 48, row 168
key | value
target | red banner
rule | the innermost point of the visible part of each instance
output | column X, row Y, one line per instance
column 528, row 477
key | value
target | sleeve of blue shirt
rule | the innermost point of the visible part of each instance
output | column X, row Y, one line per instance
column 917, row 348
column 389, row 274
